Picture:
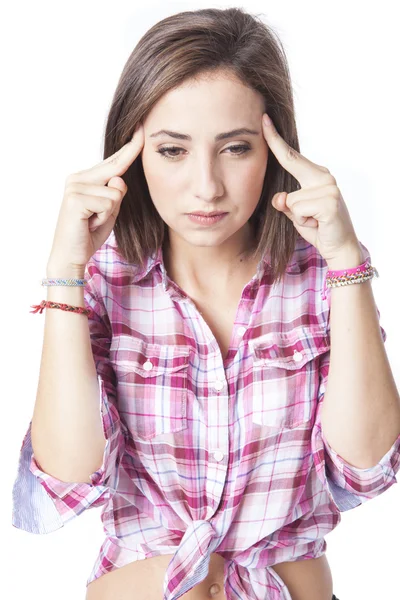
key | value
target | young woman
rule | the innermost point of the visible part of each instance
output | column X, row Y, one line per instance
column 208, row 342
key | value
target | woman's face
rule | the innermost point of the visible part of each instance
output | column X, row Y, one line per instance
column 202, row 173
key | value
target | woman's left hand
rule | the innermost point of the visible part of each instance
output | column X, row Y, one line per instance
column 317, row 210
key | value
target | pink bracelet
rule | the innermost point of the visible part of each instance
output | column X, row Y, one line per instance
column 359, row 274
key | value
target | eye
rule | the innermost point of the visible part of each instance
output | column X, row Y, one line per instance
column 166, row 150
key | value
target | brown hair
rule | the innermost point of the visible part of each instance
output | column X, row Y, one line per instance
column 184, row 46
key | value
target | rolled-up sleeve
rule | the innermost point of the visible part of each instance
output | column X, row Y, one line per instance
column 350, row 486
column 42, row 503
column 347, row 485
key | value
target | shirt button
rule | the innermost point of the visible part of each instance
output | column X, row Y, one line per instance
column 297, row 356
column 241, row 330
column 148, row 365
column 218, row 455
column 219, row 384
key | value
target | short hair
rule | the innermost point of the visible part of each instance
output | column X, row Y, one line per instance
column 184, row 46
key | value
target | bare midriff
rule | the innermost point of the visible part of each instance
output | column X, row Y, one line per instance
column 308, row 579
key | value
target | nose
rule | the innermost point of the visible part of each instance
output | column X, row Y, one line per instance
column 207, row 182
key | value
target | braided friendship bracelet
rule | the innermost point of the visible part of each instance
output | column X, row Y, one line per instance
column 68, row 307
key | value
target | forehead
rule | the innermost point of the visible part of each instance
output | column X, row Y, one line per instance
column 207, row 99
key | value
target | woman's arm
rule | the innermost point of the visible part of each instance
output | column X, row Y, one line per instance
column 360, row 414
column 67, row 432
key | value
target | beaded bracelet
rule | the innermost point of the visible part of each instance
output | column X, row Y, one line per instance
column 73, row 282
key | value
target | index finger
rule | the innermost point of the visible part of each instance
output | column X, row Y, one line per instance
column 117, row 163
column 303, row 169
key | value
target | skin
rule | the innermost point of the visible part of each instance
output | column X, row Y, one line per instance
column 205, row 175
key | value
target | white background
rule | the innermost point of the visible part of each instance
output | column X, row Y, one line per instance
column 60, row 63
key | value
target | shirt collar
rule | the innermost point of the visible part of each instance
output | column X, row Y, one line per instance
column 156, row 260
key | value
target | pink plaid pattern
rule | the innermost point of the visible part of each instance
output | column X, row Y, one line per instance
column 203, row 454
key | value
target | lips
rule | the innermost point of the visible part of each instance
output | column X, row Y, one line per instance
column 205, row 214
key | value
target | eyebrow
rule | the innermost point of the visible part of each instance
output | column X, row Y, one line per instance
column 219, row 137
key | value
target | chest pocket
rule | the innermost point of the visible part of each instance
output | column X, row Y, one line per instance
column 286, row 376
column 152, row 386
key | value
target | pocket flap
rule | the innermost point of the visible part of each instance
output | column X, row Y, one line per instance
column 290, row 350
column 149, row 360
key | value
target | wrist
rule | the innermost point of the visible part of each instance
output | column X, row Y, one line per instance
column 58, row 271
column 72, row 295
column 348, row 259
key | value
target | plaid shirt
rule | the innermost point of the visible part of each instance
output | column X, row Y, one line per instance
column 205, row 454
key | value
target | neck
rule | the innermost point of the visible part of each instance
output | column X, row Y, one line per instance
column 207, row 273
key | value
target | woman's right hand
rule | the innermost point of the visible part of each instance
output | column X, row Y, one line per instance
column 90, row 206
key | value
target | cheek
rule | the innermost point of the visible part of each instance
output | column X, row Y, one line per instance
column 159, row 174
column 155, row 178
column 250, row 180
column 150, row 166
column 155, row 181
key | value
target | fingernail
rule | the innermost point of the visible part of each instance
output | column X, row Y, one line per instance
column 266, row 119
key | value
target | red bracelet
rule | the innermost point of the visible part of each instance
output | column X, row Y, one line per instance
column 68, row 307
